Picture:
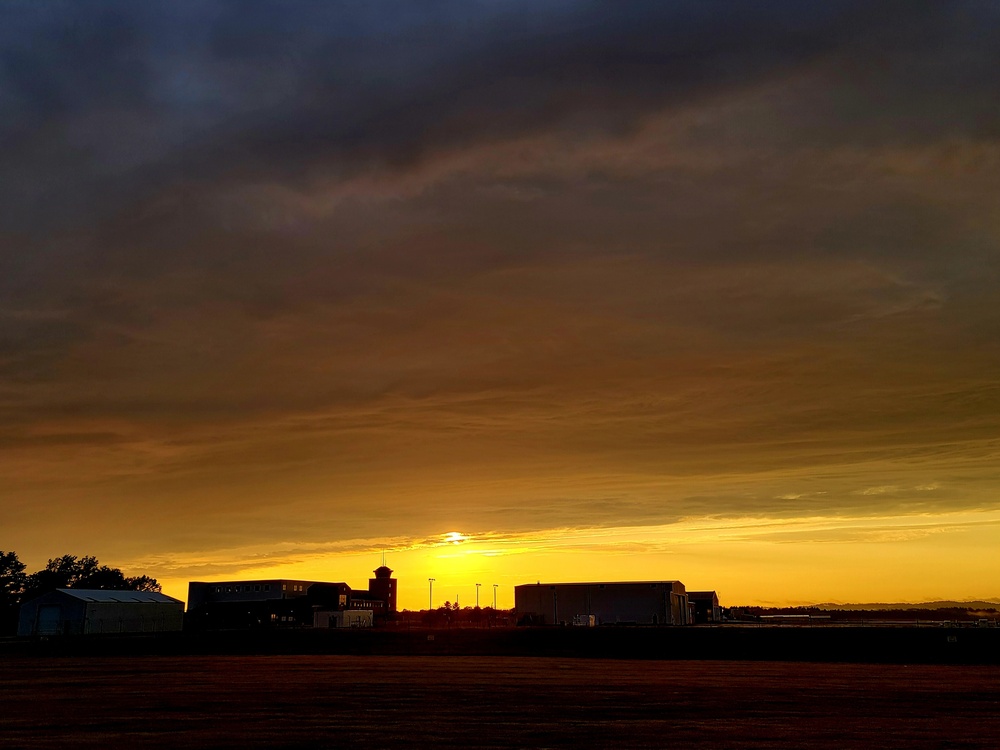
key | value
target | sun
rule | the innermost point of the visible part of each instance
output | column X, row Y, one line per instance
column 454, row 537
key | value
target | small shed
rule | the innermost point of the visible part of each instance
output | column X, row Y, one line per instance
column 89, row 611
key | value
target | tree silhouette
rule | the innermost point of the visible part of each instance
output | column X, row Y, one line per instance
column 142, row 583
column 71, row 572
column 12, row 581
column 11, row 577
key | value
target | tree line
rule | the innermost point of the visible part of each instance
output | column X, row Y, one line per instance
column 66, row 572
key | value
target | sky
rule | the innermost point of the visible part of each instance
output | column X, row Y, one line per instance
column 508, row 291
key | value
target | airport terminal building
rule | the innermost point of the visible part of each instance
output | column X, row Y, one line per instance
column 280, row 603
column 609, row 603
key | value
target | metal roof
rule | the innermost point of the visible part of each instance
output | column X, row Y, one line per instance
column 105, row 595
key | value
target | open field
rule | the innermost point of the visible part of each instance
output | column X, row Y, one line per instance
column 900, row 645
column 327, row 701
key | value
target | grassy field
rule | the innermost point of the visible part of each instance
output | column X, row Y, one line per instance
column 377, row 701
column 900, row 645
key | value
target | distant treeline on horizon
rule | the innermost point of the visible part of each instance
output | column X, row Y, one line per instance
column 904, row 611
column 978, row 604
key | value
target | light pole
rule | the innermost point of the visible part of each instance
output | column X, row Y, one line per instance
column 430, row 594
column 477, row 594
column 495, row 596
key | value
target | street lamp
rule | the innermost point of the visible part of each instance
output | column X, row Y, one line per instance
column 477, row 594
column 495, row 596
column 430, row 593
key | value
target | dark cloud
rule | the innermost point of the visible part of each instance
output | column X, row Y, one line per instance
column 112, row 98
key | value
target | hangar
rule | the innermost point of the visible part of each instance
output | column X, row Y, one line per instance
column 91, row 611
column 609, row 603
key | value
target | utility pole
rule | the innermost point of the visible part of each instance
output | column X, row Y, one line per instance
column 430, row 593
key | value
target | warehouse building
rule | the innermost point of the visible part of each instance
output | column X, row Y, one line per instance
column 90, row 611
column 610, row 603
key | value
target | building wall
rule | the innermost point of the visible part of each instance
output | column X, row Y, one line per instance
column 201, row 592
column 139, row 617
column 642, row 603
column 363, row 601
column 383, row 589
column 237, row 615
column 705, row 605
column 330, row 595
column 348, row 618
column 52, row 614
column 58, row 614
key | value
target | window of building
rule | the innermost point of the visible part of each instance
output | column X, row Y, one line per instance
column 267, row 587
column 256, row 587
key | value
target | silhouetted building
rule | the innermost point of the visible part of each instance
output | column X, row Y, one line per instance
column 383, row 587
column 272, row 603
column 705, row 606
column 286, row 603
column 90, row 611
column 638, row 603
column 330, row 595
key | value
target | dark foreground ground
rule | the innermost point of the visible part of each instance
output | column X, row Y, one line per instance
column 900, row 645
column 325, row 701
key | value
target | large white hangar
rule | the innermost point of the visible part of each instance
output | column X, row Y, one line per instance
column 630, row 602
column 92, row 611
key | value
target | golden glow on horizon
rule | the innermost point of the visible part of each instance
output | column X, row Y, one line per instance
column 748, row 560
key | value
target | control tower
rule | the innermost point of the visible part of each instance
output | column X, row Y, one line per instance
column 383, row 586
